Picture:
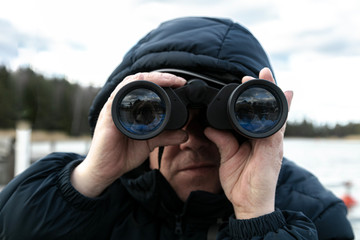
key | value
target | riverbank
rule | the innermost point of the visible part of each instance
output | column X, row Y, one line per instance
column 39, row 135
column 349, row 137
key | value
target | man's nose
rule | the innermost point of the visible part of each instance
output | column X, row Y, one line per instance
column 195, row 129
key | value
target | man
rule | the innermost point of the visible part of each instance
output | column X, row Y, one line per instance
column 203, row 183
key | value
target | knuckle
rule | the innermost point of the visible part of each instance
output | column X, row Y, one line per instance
column 140, row 76
column 150, row 146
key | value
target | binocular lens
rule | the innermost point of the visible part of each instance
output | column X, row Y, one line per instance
column 254, row 109
column 257, row 110
column 141, row 111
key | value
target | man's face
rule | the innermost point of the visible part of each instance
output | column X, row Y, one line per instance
column 193, row 165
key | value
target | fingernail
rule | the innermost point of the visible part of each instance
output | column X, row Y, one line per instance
column 185, row 137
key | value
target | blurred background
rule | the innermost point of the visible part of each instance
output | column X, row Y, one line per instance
column 56, row 55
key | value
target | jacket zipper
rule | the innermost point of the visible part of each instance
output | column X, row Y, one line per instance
column 178, row 225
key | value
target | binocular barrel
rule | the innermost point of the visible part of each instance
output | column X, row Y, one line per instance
column 255, row 109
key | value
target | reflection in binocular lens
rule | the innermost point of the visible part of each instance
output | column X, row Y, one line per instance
column 257, row 110
column 142, row 111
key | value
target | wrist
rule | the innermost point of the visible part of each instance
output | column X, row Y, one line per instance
column 248, row 228
column 85, row 183
column 254, row 212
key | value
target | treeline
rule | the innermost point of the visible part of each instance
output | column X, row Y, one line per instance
column 52, row 104
column 308, row 129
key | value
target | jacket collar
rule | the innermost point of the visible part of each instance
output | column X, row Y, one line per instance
column 154, row 193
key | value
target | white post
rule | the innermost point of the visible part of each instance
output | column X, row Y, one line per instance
column 22, row 147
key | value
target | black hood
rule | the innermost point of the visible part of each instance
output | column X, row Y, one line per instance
column 214, row 47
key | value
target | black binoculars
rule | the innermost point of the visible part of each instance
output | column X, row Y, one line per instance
column 255, row 109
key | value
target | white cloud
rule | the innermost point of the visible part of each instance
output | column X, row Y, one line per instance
column 312, row 42
column 325, row 89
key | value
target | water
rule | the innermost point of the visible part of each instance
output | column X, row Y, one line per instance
column 334, row 162
column 42, row 148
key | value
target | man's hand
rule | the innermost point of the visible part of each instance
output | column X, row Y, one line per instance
column 111, row 153
column 249, row 172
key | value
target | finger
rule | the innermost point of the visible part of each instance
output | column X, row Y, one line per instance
column 168, row 138
column 159, row 78
column 266, row 74
column 225, row 141
column 246, row 78
column 289, row 96
column 166, row 79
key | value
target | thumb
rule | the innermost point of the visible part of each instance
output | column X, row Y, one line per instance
column 225, row 141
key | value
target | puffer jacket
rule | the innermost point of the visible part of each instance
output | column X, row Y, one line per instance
column 42, row 204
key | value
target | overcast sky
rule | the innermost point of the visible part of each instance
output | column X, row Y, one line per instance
column 314, row 45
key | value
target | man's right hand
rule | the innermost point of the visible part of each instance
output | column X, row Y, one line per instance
column 111, row 153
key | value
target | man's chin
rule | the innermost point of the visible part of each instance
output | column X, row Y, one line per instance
column 196, row 180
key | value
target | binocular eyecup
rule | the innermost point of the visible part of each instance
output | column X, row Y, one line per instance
column 255, row 109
